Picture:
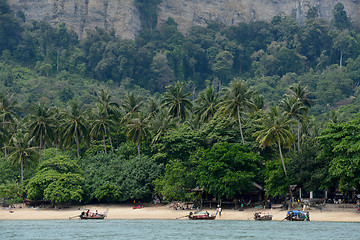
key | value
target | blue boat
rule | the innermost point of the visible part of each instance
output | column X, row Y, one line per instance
column 296, row 215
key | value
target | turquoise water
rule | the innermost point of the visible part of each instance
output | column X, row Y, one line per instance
column 174, row 229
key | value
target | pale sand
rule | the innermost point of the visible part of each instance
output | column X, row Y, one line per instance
column 164, row 212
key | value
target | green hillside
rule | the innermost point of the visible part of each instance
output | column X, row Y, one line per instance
column 154, row 114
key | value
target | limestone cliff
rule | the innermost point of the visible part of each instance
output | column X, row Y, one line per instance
column 231, row 12
column 123, row 16
column 80, row 15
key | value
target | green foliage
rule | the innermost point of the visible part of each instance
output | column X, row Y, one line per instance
column 176, row 145
column 226, row 169
column 306, row 169
column 340, row 20
column 278, row 60
column 176, row 99
column 340, row 147
column 220, row 129
column 116, row 178
column 332, row 86
column 64, row 188
column 148, row 12
column 50, row 66
column 8, row 173
column 107, row 193
column 10, row 29
column 23, row 153
column 223, row 64
column 177, row 182
column 158, row 58
column 57, row 179
column 275, row 183
column 137, row 178
column 312, row 13
column 11, row 192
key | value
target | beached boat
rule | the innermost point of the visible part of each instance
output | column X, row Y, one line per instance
column 262, row 216
column 94, row 216
column 138, row 207
column 201, row 216
column 87, row 214
column 296, row 215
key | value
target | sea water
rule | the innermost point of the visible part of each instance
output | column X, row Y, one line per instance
column 174, row 229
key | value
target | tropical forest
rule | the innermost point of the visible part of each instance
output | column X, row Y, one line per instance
column 102, row 119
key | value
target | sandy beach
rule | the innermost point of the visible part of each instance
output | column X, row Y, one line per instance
column 164, row 212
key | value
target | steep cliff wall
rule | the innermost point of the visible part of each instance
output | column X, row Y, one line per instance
column 80, row 15
column 123, row 16
column 199, row 12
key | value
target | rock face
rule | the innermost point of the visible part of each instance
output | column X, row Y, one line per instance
column 231, row 12
column 80, row 15
column 123, row 16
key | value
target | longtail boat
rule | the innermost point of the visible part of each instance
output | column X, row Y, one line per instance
column 262, row 216
column 91, row 215
column 94, row 216
column 201, row 216
column 296, row 215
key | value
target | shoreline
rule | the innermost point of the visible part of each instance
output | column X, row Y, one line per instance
column 161, row 212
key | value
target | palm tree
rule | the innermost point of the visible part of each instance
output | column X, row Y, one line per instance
column 42, row 126
column 101, row 124
column 177, row 101
column 74, row 126
column 259, row 101
column 207, row 104
column 8, row 114
column 237, row 99
column 104, row 98
column 137, row 129
column 111, row 110
column 57, row 114
column 131, row 104
column 160, row 124
column 275, row 129
column 3, row 136
column 333, row 117
column 152, row 107
column 294, row 109
column 193, row 123
column 301, row 93
column 22, row 151
column 8, row 108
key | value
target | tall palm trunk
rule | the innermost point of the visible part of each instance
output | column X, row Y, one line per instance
column 341, row 57
column 112, row 149
column 22, row 170
column 283, row 163
column 299, row 135
column 292, row 130
column 45, row 145
column 138, row 144
column 239, row 119
column 40, row 146
column 282, row 158
column 57, row 145
column 104, row 141
column 5, row 151
column 77, row 143
column 178, row 115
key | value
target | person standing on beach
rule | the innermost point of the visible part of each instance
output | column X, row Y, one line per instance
column 218, row 210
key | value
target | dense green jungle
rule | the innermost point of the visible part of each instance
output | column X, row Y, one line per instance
column 104, row 119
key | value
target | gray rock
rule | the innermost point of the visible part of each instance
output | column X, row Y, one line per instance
column 123, row 16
